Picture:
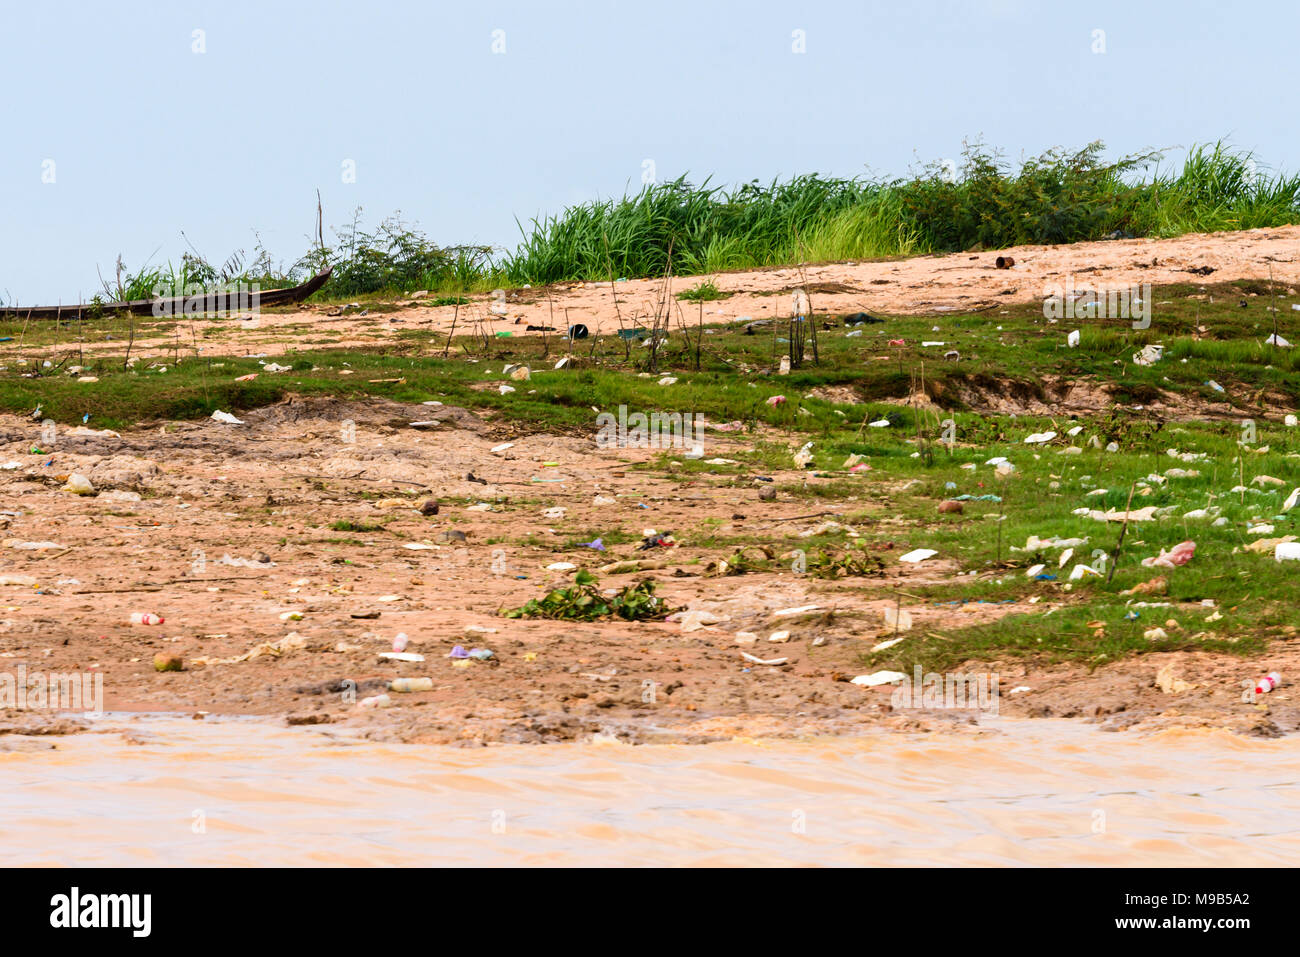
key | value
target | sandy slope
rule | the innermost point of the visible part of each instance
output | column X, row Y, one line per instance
column 924, row 285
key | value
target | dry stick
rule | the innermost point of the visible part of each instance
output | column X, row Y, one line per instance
column 126, row 362
column 1273, row 291
column 699, row 336
column 320, row 224
column 454, row 316
column 195, row 336
column 1114, row 556
column 23, row 335
column 550, row 302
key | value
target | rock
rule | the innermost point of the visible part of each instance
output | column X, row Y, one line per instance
column 451, row 536
column 297, row 719
column 951, row 508
column 767, row 493
column 165, row 662
column 430, row 507
column 262, row 558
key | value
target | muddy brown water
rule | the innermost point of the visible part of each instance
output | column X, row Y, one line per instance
column 165, row 790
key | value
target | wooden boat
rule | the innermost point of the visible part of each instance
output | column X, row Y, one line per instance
column 225, row 299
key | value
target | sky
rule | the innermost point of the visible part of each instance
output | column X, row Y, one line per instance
column 139, row 129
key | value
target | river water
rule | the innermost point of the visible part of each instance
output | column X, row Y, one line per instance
column 163, row 790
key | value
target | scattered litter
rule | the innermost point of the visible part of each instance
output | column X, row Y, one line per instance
column 1149, row 355
column 1180, row 554
column 918, row 555
column 760, row 661
column 410, row 685
column 790, row 612
column 1267, row 683
column 226, row 417
column 1168, row 682
column 31, row 546
column 879, row 678
column 896, row 619
column 78, row 484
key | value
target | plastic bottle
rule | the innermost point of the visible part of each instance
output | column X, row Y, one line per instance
column 145, row 618
column 408, row 685
column 400, row 641
column 1267, row 683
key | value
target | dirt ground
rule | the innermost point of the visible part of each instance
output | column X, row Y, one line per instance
column 223, row 531
column 922, row 285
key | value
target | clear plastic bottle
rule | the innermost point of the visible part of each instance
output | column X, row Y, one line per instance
column 1268, row 682
column 408, row 685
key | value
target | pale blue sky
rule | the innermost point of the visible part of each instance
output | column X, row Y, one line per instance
column 149, row 138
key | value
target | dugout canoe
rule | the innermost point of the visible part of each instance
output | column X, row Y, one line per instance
column 231, row 299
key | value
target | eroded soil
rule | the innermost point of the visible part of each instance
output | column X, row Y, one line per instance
column 224, row 531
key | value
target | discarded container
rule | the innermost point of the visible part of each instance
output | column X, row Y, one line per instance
column 1267, row 683
column 578, row 331
column 376, row 701
column 79, row 485
column 410, row 685
column 145, row 618
column 1287, row 552
column 400, row 641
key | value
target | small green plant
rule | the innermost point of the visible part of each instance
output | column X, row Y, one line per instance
column 582, row 602
column 706, row 291
column 853, row 562
column 343, row 525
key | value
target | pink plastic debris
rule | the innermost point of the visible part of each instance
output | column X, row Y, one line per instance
column 1180, row 554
